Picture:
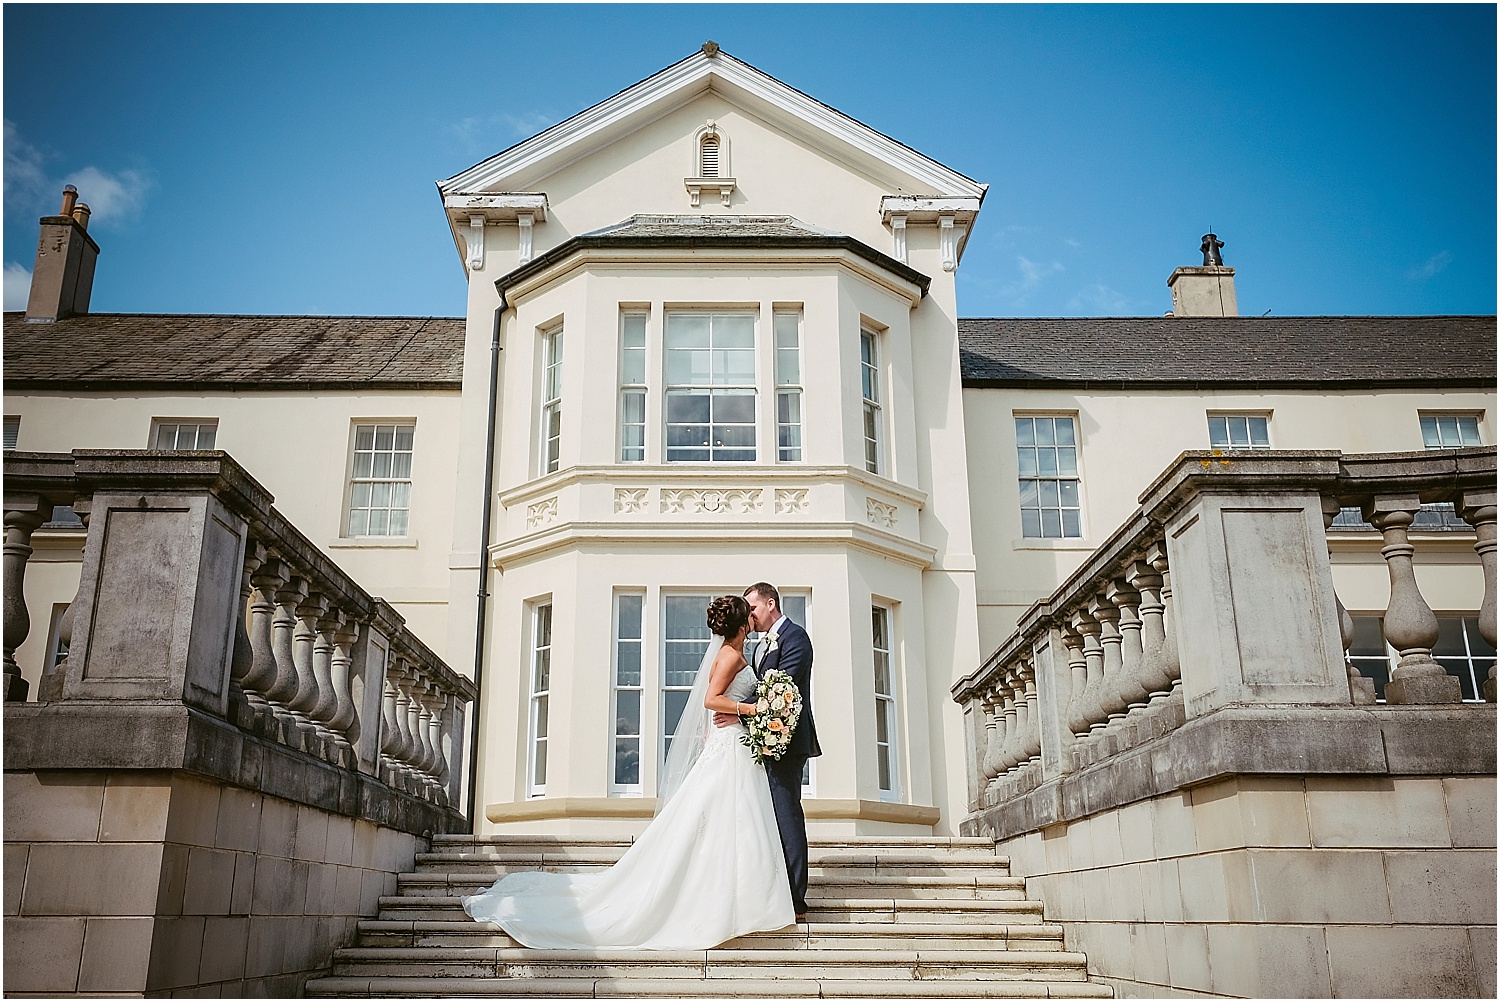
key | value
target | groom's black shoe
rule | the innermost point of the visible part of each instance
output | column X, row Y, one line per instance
column 802, row 916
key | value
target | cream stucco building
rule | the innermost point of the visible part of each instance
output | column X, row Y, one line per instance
column 712, row 336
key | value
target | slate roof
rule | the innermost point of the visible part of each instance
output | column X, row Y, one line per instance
column 1187, row 352
column 712, row 231
column 187, row 351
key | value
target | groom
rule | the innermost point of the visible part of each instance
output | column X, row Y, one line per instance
column 786, row 646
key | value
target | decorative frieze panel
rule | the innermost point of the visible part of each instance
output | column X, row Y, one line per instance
column 881, row 514
column 541, row 513
column 629, row 500
column 733, row 501
column 791, row 501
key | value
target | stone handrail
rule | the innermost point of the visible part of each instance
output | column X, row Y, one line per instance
column 194, row 588
column 1124, row 651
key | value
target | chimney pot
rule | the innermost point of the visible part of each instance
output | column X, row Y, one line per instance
column 63, row 279
column 70, row 199
column 81, row 215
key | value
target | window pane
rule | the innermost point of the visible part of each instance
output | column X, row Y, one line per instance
column 633, row 330
column 1025, row 431
column 672, row 706
column 1218, row 432
column 634, row 407
column 630, row 616
column 539, row 772
column 379, row 522
column 1044, row 431
column 735, row 330
column 788, row 369
column 361, row 495
column 687, row 407
column 359, row 522
column 380, row 495
column 1450, row 642
column 1027, row 460
column 882, row 673
column 883, row 759
column 1368, row 639
column 381, row 464
column 786, row 329
column 627, row 761
column 1063, row 428
column 1031, row 523
column 1051, row 524
column 1448, row 430
column 364, row 437
column 1072, row 524
column 1430, row 437
column 385, row 437
column 1031, row 495
column 734, row 407
column 403, row 437
column 1068, row 493
column 1067, row 461
column 206, row 436
column 1258, row 433
column 362, row 463
column 1046, row 462
column 1239, row 432
column 1477, row 644
column 1049, row 493
column 1468, row 430
column 882, row 724
column 398, row 522
column 687, row 330
column 734, row 368
column 401, row 464
column 633, row 367
column 628, row 711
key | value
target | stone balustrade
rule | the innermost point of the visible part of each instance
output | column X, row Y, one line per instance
column 195, row 590
column 1218, row 593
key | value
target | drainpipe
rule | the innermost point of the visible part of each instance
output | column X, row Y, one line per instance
column 484, row 563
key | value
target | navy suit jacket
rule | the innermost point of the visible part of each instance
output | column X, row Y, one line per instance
column 794, row 655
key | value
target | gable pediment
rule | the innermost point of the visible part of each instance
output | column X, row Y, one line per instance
column 836, row 135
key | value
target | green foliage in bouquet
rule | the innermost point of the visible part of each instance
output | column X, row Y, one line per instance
column 778, row 707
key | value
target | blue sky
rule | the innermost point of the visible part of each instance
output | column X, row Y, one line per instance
column 281, row 159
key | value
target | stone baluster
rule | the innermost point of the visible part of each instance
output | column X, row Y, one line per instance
column 306, row 643
column 1154, row 678
column 1478, row 509
column 404, row 743
column 1361, row 689
column 1129, row 688
column 270, row 576
column 1032, row 749
column 283, row 633
column 994, row 740
column 1099, row 658
column 1073, row 717
column 435, row 736
column 325, row 649
column 1010, row 751
column 344, row 637
column 417, row 755
column 1410, row 625
column 390, row 731
column 242, row 660
column 1087, row 628
column 1110, row 699
column 1175, row 710
column 23, row 515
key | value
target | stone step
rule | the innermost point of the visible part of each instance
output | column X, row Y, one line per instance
column 825, row 855
column 816, row 935
column 410, row 907
column 805, row 964
column 876, row 883
column 867, row 842
column 821, row 865
column 728, row 988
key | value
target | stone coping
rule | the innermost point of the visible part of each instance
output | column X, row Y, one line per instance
column 117, row 735
column 1263, row 740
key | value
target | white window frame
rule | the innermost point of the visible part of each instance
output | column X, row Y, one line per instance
column 12, row 431
column 179, row 427
column 872, row 417
column 712, row 388
column 1440, row 425
column 616, row 787
column 538, row 703
column 664, row 724
column 887, row 753
column 549, row 426
column 786, row 331
column 1392, row 657
column 382, row 488
column 633, row 363
column 1039, row 478
column 1247, row 421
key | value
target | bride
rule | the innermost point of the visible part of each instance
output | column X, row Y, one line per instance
column 707, row 869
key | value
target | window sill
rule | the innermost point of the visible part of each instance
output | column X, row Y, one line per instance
column 374, row 543
column 1051, row 544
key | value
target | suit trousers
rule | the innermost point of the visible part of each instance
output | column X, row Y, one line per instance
column 785, row 780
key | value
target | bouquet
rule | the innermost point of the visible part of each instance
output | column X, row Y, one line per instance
column 778, row 707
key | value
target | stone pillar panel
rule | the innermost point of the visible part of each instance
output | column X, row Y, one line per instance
column 158, row 600
column 1256, row 619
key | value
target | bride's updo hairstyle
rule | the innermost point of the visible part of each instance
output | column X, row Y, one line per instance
column 727, row 614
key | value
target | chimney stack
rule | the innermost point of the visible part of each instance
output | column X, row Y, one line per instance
column 63, row 278
column 1206, row 291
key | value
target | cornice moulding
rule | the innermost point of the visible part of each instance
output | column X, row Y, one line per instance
column 670, row 88
column 676, row 475
column 635, row 258
column 621, row 533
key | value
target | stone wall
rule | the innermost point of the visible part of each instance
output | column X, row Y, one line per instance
column 1280, row 886
column 164, row 883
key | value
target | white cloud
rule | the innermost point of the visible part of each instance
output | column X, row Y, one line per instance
column 1101, row 301
column 32, row 188
column 1427, row 269
column 1032, row 275
column 17, row 286
column 491, row 133
column 110, row 197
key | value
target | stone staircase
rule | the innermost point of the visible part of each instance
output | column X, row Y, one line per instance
column 889, row 917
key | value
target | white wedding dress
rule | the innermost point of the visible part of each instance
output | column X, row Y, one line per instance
column 707, row 869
